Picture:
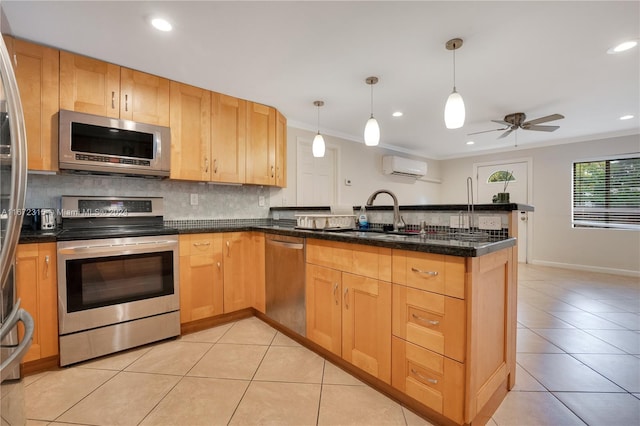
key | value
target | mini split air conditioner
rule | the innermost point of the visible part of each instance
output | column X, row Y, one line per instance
column 399, row 166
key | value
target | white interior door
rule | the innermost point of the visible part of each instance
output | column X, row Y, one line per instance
column 316, row 177
column 519, row 190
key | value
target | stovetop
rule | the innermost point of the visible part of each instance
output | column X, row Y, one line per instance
column 114, row 232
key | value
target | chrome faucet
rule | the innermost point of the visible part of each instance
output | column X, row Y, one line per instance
column 398, row 223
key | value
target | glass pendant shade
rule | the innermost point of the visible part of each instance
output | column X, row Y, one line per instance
column 454, row 111
column 371, row 132
column 318, row 146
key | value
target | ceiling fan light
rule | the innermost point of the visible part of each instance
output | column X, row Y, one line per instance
column 454, row 113
column 318, row 146
column 371, row 132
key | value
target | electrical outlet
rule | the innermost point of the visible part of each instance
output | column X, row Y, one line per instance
column 194, row 199
column 490, row 222
column 261, row 201
column 459, row 221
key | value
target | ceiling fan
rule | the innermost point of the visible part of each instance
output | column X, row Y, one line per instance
column 517, row 121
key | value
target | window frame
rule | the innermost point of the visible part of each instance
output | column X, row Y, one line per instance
column 602, row 224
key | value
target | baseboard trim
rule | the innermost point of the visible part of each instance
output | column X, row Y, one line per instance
column 600, row 269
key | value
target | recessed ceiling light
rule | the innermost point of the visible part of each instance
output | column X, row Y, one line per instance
column 161, row 24
column 623, row 47
column 626, row 117
column 397, row 114
column 470, row 142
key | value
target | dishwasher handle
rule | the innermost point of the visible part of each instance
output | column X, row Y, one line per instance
column 286, row 244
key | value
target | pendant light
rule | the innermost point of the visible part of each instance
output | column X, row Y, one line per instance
column 318, row 142
column 371, row 129
column 454, row 109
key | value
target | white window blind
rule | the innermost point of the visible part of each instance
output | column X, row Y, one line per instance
column 606, row 194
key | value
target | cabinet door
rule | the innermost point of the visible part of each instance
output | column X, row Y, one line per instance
column 190, row 132
column 258, row 261
column 324, row 307
column 228, row 138
column 37, row 288
column 37, row 68
column 366, row 324
column 144, row 97
column 239, row 271
column 281, row 150
column 261, row 153
column 201, row 276
column 89, row 85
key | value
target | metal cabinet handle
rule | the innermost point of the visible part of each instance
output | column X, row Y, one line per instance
column 46, row 264
column 423, row 319
column 430, row 273
column 425, row 378
column 272, row 171
column 206, row 243
column 215, row 165
column 218, row 265
column 126, row 102
column 228, row 249
column 113, row 100
column 346, row 298
column 15, row 59
column 206, row 165
column 335, row 293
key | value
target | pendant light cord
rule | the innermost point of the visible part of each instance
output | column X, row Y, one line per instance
column 454, row 67
column 371, row 100
column 318, row 119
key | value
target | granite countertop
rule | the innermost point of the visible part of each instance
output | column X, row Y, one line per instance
column 423, row 207
column 438, row 243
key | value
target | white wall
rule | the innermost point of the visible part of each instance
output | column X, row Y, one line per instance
column 363, row 166
column 555, row 242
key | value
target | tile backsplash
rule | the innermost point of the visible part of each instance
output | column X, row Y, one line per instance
column 215, row 201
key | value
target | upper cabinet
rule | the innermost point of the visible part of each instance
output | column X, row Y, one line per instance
column 228, row 138
column 37, row 68
column 281, row 150
column 96, row 87
column 190, row 133
column 261, row 144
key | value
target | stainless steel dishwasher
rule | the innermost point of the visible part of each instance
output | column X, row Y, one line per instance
column 284, row 265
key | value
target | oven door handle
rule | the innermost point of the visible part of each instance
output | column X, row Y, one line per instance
column 119, row 248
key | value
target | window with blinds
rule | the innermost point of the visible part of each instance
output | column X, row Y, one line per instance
column 606, row 194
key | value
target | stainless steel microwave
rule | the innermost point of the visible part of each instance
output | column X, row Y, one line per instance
column 102, row 145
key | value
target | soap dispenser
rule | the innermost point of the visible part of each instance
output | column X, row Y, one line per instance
column 363, row 222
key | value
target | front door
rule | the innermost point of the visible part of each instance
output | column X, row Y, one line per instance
column 490, row 180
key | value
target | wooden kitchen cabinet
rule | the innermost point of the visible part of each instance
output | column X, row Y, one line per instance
column 348, row 314
column 37, row 68
column 190, row 119
column 261, row 144
column 243, row 254
column 228, row 138
column 97, row 87
column 36, row 283
column 201, row 276
column 281, row 150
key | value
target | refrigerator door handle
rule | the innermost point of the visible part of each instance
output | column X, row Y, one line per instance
column 17, row 315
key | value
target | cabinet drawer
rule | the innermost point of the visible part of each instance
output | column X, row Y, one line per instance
column 199, row 244
column 369, row 261
column 432, row 379
column 432, row 272
column 431, row 320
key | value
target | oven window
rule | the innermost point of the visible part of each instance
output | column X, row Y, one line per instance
column 107, row 141
column 105, row 281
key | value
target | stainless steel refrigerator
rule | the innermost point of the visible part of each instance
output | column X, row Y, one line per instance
column 13, row 183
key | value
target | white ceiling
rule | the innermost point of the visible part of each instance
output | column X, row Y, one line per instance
column 539, row 57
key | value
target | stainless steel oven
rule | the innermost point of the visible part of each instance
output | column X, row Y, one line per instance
column 115, row 292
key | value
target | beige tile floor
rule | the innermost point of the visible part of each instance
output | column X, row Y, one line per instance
column 578, row 363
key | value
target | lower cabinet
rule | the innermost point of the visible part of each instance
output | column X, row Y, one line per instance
column 36, row 283
column 201, row 276
column 350, row 315
column 435, row 380
column 243, row 254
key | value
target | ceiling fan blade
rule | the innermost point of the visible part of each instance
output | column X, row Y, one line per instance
column 486, row 131
column 541, row 128
column 504, row 123
column 544, row 119
column 505, row 134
